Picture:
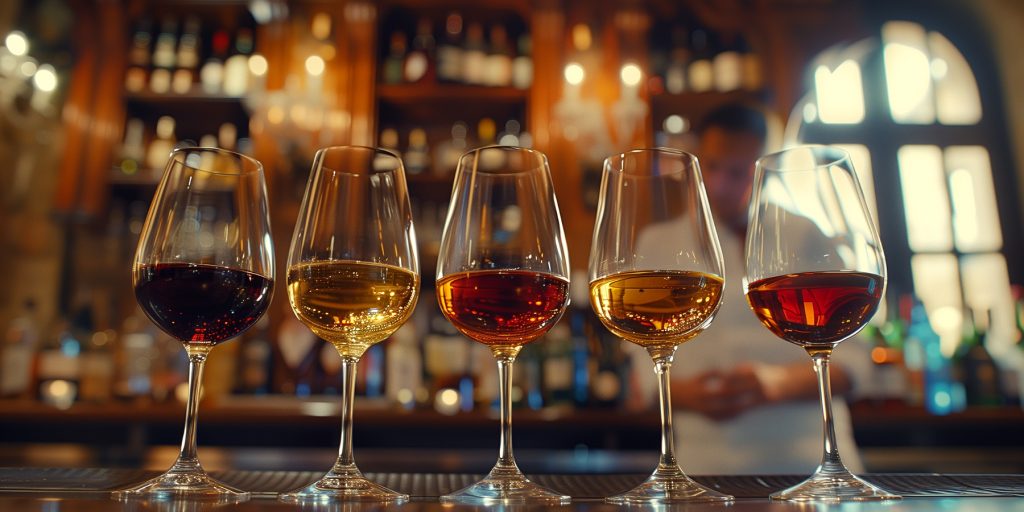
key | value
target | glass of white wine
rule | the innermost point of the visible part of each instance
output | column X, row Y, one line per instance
column 656, row 280
column 353, row 279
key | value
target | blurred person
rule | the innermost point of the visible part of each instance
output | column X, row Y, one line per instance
column 744, row 400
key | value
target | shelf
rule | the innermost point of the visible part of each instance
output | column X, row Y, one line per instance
column 195, row 95
column 698, row 103
column 144, row 178
column 405, row 94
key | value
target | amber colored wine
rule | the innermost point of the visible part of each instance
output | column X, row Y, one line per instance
column 352, row 304
column 816, row 310
column 199, row 304
column 655, row 308
column 503, row 307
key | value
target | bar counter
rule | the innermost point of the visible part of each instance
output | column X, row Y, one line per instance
column 84, row 489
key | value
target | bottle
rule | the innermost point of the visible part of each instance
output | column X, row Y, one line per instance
column 417, row 155
column 132, row 153
column 164, row 57
column 976, row 369
column 211, row 75
column 403, row 367
column 449, row 52
column 558, row 366
column 256, row 364
column 187, row 58
column 419, row 63
column 19, row 347
column 727, row 67
column 700, row 73
column 679, row 58
column 58, row 367
column 941, row 393
column 510, row 136
column 449, row 151
column 161, row 146
column 139, row 55
column 394, row 63
column 474, row 55
column 236, row 67
column 522, row 65
column 498, row 66
column 135, row 361
column 97, row 383
column 753, row 76
column 388, row 141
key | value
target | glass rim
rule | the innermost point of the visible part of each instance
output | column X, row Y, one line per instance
column 241, row 171
column 814, row 149
column 358, row 147
column 541, row 158
column 694, row 160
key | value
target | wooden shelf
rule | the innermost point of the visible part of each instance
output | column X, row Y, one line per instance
column 696, row 104
column 144, row 178
column 194, row 95
column 404, row 94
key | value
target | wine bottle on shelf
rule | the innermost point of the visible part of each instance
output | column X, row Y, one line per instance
column 394, row 63
column 449, row 51
column 753, row 76
column 164, row 57
column 132, row 153
column 389, row 141
column 419, row 63
column 211, row 76
column 976, row 369
column 256, row 364
column 510, row 136
column 678, row 61
column 161, row 146
column 403, row 367
column 941, row 392
column 700, row 74
column 474, row 55
column 417, row 155
column 19, row 346
column 499, row 61
column 139, row 56
column 558, row 366
column 236, row 67
column 522, row 65
column 98, row 368
column 485, row 133
column 58, row 367
column 727, row 66
column 187, row 58
column 449, row 151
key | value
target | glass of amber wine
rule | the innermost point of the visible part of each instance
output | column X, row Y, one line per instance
column 204, row 273
column 353, row 279
column 815, row 275
column 503, row 281
column 656, row 280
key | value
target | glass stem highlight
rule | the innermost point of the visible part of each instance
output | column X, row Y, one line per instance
column 505, row 459
column 188, row 458
column 667, row 462
column 830, row 461
column 346, row 462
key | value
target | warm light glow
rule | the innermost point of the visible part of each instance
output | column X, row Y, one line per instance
column 574, row 73
column 17, row 43
column 581, row 37
column 925, row 198
column 315, row 65
column 28, row 68
column 321, row 26
column 939, row 69
column 840, row 95
column 631, row 75
column 908, row 78
column 45, row 78
column 675, row 124
column 976, row 223
column 258, row 64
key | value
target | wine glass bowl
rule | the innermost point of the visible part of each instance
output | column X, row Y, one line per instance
column 503, row 281
column 353, row 280
column 656, row 280
column 204, row 273
column 815, row 274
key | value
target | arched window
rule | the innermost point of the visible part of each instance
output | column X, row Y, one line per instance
column 908, row 106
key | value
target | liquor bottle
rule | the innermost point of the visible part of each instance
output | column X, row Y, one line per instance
column 419, row 63
column 679, row 58
column 58, row 367
column 941, row 393
column 403, row 367
column 211, row 76
column 164, row 57
column 187, row 58
column 162, row 145
column 474, row 55
column 486, row 132
column 389, row 141
column 135, row 361
column 394, row 63
column 139, row 57
column 236, row 68
column 499, row 61
column 976, row 369
column 19, row 346
column 417, row 155
column 132, row 153
column 522, row 65
column 727, row 67
column 700, row 73
column 449, row 151
column 510, row 136
column 97, row 383
column 449, row 51
column 753, row 76
column 255, row 367
column 558, row 366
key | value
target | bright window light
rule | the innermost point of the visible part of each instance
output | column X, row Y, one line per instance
column 976, row 224
column 908, row 75
column 45, row 78
column 574, row 73
column 925, row 198
column 956, row 93
column 840, row 94
column 17, row 43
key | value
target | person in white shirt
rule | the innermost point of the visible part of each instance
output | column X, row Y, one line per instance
column 745, row 401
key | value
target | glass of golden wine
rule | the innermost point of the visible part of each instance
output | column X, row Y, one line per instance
column 353, row 279
column 656, row 280
column 203, row 273
column 815, row 276
column 503, row 281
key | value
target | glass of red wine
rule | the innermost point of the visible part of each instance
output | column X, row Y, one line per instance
column 656, row 279
column 503, row 281
column 815, row 276
column 204, row 273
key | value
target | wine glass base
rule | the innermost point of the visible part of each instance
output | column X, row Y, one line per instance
column 333, row 488
column 505, row 488
column 834, row 487
column 665, row 489
column 177, row 484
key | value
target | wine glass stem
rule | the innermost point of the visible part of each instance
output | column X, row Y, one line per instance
column 346, row 462
column 668, row 455
column 188, row 459
column 505, row 458
column 830, row 460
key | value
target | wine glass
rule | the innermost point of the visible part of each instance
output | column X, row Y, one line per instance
column 815, row 275
column 204, row 273
column 353, row 279
column 656, row 278
column 503, row 281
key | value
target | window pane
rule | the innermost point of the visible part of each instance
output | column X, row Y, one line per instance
column 937, row 284
column 956, row 92
column 925, row 200
column 908, row 73
column 840, row 94
column 861, row 157
column 975, row 215
column 986, row 284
